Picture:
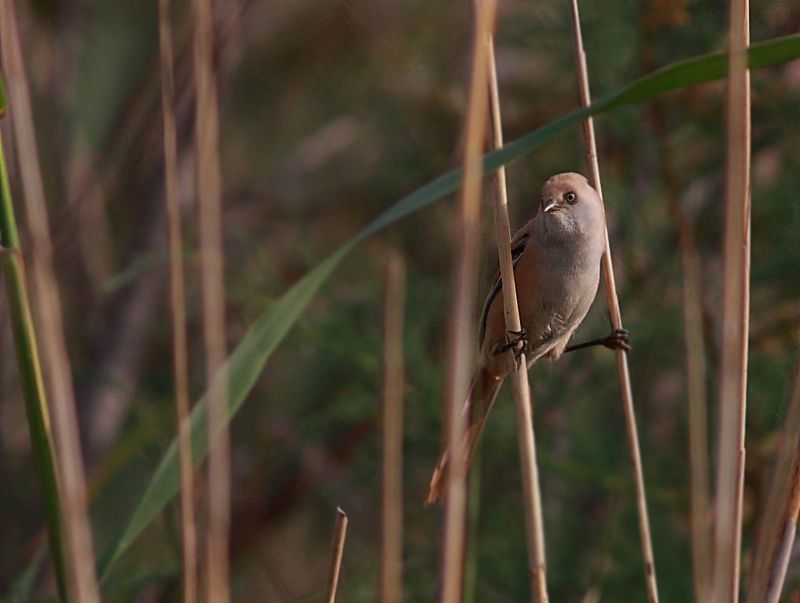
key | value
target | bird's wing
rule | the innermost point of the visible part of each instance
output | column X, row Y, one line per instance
column 518, row 244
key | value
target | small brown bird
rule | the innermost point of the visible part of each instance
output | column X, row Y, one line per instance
column 556, row 259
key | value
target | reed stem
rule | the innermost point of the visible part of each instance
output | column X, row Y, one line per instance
column 212, row 278
column 78, row 559
column 391, row 581
column 780, row 513
column 178, row 304
column 462, row 315
column 735, row 316
column 534, row 522
column 30, row 370
column 337, row 553
column 623, row 371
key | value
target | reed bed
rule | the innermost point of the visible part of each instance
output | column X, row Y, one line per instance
column 244, row 515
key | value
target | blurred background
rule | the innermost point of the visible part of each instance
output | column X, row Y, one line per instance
column 330, row 112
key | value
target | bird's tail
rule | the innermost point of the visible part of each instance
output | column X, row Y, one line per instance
column 488, row 387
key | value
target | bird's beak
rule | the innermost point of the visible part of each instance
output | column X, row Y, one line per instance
column 551, row 206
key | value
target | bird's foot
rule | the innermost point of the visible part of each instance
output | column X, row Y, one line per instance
column 617, row 340
column 516, row 341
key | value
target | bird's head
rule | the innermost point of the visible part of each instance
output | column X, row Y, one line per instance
column 569, row 199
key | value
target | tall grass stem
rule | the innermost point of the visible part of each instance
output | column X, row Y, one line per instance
column 213, row 293
column 76, row 531
column 30, row 370
column 623, row 371
column 735, row 316
column 337, row 554
column 178, row 304
column 391, row 580
column 461, row 326
column 696, row 367
column 780, row 513
column 534, row 522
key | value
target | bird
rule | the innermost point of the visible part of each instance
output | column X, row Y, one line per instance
column 556, row 258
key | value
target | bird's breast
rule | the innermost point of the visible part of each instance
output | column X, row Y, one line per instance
column 563, row 283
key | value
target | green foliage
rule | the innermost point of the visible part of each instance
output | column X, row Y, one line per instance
column 2, row 97
column 30, row 371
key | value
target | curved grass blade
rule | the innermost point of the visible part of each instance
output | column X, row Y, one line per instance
column 2, row 99
column 247, row 361
column 30, row 372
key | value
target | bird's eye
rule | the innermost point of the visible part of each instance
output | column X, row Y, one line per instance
column 571, row 198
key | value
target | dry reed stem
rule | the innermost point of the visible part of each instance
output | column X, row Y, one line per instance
column 697, row 399
column 213, row 294
column 697, row 392
column 779, row 517
column 534, row 523
column 735, row 316
column 79, row 555
column 782, row 562
column 178, row 304
column 623, row 372
column 461, row 326
column 337, row 553
column 391, row 580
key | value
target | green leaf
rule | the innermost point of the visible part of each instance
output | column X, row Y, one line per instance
column 3, row 102
column 21, row 589
column 30, row 374
column 248, row 360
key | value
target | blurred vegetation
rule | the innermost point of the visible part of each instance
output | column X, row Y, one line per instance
column 330, row 111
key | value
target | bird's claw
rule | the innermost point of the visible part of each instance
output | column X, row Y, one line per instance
column 617, row 340
column 515, row 340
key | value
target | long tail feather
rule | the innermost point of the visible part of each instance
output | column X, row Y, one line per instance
column 489, row 388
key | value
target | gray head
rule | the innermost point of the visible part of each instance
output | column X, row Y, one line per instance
column 570, row 205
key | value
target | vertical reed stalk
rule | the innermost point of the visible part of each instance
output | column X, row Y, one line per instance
column 775, row 569
column 213, row 293
column 780, row 514
column 534, row 523
column 697, row 398
column 337, row 553
column 462, row 315
column 735, row 315
column 623, row 372
column 178, row 303
column 700, row 502
column 391, row 581
column 30, row 371
column 472, row 556
column 79, row 556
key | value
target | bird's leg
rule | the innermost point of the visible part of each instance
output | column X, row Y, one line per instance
column 617, row 340
column 516, row 340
